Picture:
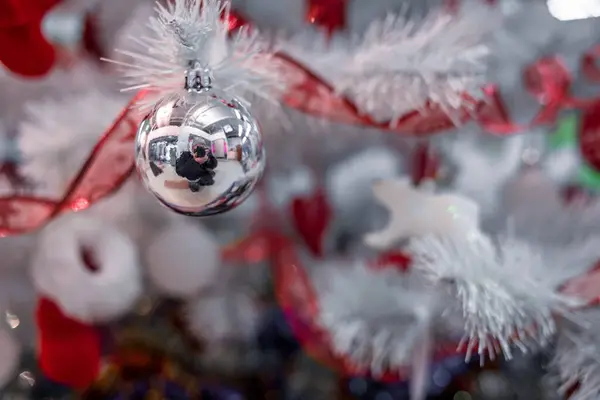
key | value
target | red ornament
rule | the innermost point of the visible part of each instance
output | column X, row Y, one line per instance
column 589, row 136
column 327, row 14
column 311, row 217
column 23, row 48
column 589, row 65
column 69, row 351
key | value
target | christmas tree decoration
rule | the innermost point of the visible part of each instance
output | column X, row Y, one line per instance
column 311, row 217
column 20, row 30
column 183, row 260
column 415, row 212
column 499, row 310
column 200, row 150
column 201, row 158
column 375, row 258
column 373, row 340
column 392, row 341
column 52, row 148
column 89, row 268
column 69, row 351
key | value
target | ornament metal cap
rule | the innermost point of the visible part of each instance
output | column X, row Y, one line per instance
column 198, row 79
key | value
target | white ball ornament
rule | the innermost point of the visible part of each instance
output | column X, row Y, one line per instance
column 183, row 260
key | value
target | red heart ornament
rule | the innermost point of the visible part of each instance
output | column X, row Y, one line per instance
column 311, row 216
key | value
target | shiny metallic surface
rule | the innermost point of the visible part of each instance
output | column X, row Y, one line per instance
column 200, row 156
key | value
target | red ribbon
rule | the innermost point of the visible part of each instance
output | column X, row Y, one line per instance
column 547, row 80
column 110, row 163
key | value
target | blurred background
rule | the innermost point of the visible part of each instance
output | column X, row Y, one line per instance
column 109, row 295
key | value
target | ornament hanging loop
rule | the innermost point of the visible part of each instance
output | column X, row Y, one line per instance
column 198, row 79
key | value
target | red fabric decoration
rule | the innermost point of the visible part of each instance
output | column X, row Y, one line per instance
column 23, row 48
column 69, row 351
column 327, row 14
column 547, row 80
column 311, row 217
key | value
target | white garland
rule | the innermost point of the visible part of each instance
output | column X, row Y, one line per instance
column 508, row 291
column 399, row 65
column 192, row 30
column 374, row 317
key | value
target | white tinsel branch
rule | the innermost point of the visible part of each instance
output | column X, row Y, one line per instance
column 374, row 317
column 577, row 357
column 508, row 290
column 399, row 64
column 188, row 31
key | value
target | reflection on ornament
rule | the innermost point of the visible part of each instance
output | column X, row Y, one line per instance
column 414, row 212
column 12, row 320
column 202, row 154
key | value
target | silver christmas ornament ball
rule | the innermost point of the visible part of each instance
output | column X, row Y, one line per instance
column 201, row 155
